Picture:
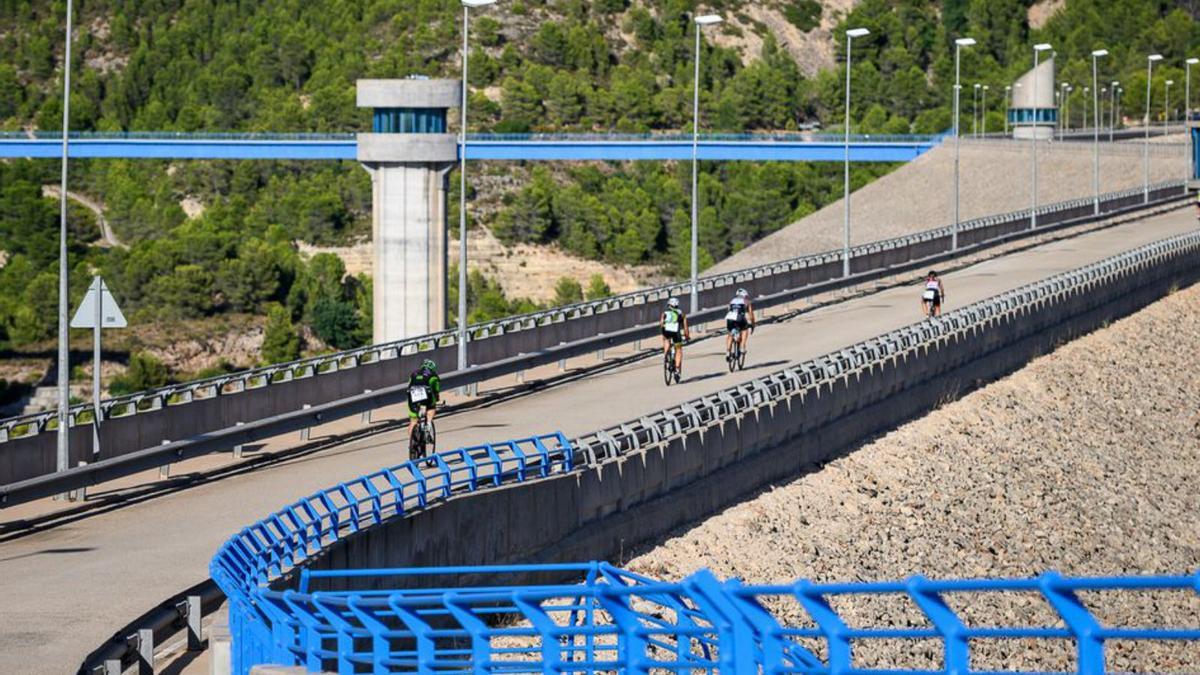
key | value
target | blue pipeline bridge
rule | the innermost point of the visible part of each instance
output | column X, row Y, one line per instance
column 800, row 147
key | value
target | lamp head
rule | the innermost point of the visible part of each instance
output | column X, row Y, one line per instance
column 857, row 32
column 1116, row 84
column 985, row 87
column 964, row 42
column 1100, row 52
column 477, row 3
column 708, row 20
column 1041, row 47
column 1170, row 82
column 1192, row 61
column 977, row 85
column 1155, row 57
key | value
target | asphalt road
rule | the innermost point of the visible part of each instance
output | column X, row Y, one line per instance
column 64, row 590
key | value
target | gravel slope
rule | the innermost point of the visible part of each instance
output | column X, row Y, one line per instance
column 1084, row 461
column 994, row 178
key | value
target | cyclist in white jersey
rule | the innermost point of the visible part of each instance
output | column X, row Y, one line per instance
column 740, row 316
column 933, row 295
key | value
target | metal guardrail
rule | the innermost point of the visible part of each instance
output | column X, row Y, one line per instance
column 249, row 136
column 614, row 620
column 298, row 418
column 789, row 137
column 275, row 625
column 274, row 546
column 153, row 400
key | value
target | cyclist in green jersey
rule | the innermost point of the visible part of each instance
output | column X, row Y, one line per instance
column 424, row 388
column 675, row 330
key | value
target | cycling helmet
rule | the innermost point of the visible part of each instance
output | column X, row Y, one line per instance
column 673, row 303
column 741, row 293
column 429, row 365
column 931, row 274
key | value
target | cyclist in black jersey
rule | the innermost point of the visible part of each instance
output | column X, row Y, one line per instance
column 741, row 317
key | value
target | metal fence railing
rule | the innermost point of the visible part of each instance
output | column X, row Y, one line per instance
column 275, row 617
column 484, row 337
column 613, row 620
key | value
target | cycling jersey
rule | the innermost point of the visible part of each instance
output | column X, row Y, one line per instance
column 672, row 324
column 736, row 316
column 424, row 389
column 933, row 291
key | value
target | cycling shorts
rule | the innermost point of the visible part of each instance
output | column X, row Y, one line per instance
column 413, row 411
column 674, row 336
column 935, row 300
column 742, row 325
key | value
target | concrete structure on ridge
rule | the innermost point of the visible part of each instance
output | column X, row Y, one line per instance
column 1034, row 112
column 409, row 154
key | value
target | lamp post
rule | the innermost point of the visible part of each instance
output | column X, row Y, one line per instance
column 462, row 191
column 1037, row 51
column 1146, row 143
column 64, row 366
column 1112, row 108
column 1096, row 55
column 701, row 22
column 1007, row 107
column 1167, row 106
column 958, row 45
column 850, row 35
column 983, row 112
column 1066, row 101
column 1120, row 118
column 1187, row 110
column 975, row 111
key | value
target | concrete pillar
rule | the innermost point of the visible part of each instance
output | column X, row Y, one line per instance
column 409, row 231
column 408, row 154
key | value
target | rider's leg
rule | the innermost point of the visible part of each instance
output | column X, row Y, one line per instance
column 679, row 357
column 744, row 337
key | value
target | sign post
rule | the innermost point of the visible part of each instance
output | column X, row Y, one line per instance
column 98, row 310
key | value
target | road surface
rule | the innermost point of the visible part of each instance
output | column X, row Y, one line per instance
column 67, row 588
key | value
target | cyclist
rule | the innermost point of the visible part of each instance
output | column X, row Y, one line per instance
column 424, row 388
column 741, row 317
column 675, row 330
column 933, row 296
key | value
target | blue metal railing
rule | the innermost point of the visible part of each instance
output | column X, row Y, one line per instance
column 181, row 135
column 272, row 547
column 613, row 620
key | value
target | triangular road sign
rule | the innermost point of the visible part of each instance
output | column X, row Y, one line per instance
column 110, row 313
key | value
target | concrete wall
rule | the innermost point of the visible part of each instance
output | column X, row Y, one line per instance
column 32, row 456
column 614, row 505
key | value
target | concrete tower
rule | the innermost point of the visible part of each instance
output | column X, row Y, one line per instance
column 1034, row 112
column 408, row 154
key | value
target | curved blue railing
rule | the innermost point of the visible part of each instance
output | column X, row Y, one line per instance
column 271, row 548
column 616, row 621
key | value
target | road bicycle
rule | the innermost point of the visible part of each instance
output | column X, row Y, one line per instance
column 423, row 439
column 735, row 358
column 670, row 372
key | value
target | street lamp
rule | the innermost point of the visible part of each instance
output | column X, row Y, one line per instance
column 983, row 111
column 64, row 366
column 975, row 111
column 1097, row 54
column 1112, row 108
column 958, row 45
column 850, row 35
column 701, row 22
column 1146, row 143
column 1167, row 106
column 1065, row 123
column 1007, row 107
column 1037, row 51
column 467, row 5
column 1187, row 108
column 1086, row 91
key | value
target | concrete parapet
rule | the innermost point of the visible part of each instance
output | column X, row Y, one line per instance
column 640, row 494
column 412, row 93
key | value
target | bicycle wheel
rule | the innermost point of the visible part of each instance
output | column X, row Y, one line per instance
column 669, row 366
column 741, row 360
column 430, row 439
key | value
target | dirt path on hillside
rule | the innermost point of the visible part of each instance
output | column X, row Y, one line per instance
column 1083, row 462
column 108, row 238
